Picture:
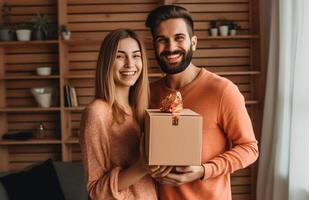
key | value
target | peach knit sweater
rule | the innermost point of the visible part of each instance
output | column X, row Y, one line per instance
column 228, row 140
column 106, row 150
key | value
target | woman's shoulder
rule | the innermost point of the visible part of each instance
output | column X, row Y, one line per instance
column 98, row 106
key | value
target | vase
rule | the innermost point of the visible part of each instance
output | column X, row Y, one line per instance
column 23, row 34
column 224, row 30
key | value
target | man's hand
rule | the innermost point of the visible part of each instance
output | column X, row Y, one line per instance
column 159, row 171
column 183, row 175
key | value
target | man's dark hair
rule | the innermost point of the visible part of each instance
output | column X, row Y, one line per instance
column 165, row 12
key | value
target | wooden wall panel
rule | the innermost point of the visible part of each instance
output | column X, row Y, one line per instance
column 23, row 11
column 74, row 62
column 22, row 156
column 19, row 92
column 108, row 15
column 30, row 122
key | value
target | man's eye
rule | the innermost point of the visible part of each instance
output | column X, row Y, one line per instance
column 161, row 40
column 179, row 38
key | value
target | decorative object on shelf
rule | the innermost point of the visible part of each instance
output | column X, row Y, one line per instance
column 40, row 26
column 52, row 30
column 65, row 33
column 233, row 28
column 6, row 31
column 43, row 96
column 22, row 135
column 70, row 96
column 43, row 71
column 213, row 28
column 224, row 27
column 41, row 131
column 23, row 32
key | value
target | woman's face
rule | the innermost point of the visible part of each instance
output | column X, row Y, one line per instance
column 128, row 63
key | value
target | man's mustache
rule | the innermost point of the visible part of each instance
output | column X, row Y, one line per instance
column 169, row 53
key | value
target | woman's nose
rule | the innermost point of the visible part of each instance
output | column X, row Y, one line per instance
column 129, row 62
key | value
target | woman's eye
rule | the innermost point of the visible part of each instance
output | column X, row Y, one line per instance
column 136, row 56
column 120, row 56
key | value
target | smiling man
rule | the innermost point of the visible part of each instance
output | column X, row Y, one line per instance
column 228, row 139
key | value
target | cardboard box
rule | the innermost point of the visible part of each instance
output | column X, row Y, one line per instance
column 171, row 144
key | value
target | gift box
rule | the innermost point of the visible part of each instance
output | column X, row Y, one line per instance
column 173, row 140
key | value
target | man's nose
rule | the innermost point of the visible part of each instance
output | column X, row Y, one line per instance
column 172, row 45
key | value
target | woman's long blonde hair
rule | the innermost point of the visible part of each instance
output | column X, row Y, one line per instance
column 105, row 85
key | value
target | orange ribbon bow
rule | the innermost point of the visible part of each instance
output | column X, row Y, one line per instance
column 172, row 104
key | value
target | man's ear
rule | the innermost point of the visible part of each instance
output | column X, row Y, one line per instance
column 194, row 42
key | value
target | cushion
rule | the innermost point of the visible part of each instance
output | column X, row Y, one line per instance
column 40, row 182
column 72, row 180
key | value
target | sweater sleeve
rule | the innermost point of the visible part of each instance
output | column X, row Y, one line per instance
column 235, row 122
column 101, row 176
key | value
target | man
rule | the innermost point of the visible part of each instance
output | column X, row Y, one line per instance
column 228, row 140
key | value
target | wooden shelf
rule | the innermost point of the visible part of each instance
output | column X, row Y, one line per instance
column 79, row 108
column 29, row 77
column 30, row 109
column 98, row 41
column 72, row 140
column 27, row 43
column 230, row 37
column 78, row 41
column 238, row 73
column 151, row 75
column 93, row 76
column 31, row 141
column 233, row 73
column 79, row 76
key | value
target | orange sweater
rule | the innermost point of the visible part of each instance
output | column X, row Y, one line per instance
column 106, row 150
column 228, row 142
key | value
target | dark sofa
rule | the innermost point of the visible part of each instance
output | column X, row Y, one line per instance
column 71, row 179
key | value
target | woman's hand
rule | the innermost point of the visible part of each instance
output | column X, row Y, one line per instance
column 154, row 171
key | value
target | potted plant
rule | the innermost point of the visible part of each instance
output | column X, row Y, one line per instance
column 23, row 32
column 52, row 30
column 6, row 32
column 233, row 28
column 224, row 27
column 40, row 26
column 65, row 33
column 213, row 28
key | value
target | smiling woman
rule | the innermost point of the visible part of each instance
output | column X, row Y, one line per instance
column 128, row 63
column 111, row 124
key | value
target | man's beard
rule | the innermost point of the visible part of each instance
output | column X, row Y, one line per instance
column 185, row 62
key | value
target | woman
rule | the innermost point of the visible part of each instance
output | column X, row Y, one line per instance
column 110, row 128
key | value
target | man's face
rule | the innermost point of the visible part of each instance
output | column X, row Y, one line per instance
column 173, row 45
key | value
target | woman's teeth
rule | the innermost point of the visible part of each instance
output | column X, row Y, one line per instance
column 127, row 73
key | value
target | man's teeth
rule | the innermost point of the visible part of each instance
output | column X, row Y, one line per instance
column 173, row 56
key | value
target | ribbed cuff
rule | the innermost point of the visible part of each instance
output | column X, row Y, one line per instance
column 207, row 171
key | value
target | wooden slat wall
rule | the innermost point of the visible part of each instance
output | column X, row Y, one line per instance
column 240, row 59
column 216, row 55
column 21, row 156
column 93, row 19
column 30, row 122
column 22, row 60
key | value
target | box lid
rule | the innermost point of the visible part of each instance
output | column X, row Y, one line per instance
column 183, row 112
